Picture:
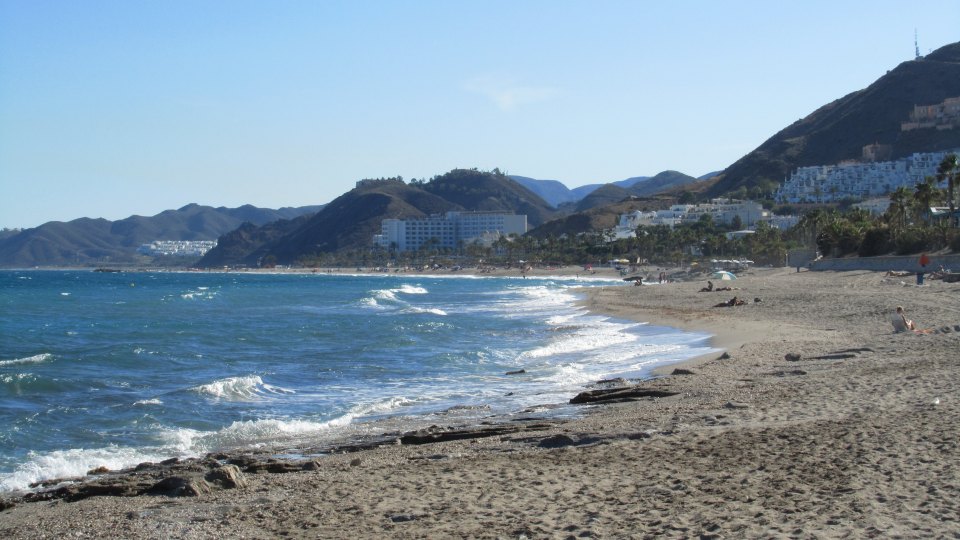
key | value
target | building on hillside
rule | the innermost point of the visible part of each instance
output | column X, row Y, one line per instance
column 721, row 212
column 177, row 248
column 726, row 212
column 782, row 222
column 859, row 181
column 944, row 115
column 876, row 206
column 877, row 152
column 450, row 230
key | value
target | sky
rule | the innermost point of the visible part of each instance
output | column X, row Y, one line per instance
column 117, row 108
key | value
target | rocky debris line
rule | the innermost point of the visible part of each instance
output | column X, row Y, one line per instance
column 843, row 354
column 172, row 478
column 434, row 434
column 630, row 393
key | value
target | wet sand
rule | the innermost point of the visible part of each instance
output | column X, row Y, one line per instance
column 855, row 438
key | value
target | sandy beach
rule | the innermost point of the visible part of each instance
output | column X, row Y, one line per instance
column 818, row 422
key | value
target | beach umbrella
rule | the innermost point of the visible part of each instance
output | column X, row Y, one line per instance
column 723, row 275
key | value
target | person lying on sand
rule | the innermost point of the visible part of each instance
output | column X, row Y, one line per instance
column 732, row 302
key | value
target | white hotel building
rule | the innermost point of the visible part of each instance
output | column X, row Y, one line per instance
column 449, row 230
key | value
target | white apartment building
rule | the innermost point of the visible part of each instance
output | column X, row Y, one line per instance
column 722, row 211
column 725, row 211
column 832, row 183
column 448, row 230
column 177, row 248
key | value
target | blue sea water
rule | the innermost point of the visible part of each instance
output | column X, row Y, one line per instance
column 114, row 369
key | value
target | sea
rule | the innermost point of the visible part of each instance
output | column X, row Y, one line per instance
column 101, row 369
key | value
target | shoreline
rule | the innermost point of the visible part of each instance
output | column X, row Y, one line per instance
column 855, row 437
column 460, row 417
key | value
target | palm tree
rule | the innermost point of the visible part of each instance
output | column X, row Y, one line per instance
column 897, row 212
column 924, row 195
column 948, row 170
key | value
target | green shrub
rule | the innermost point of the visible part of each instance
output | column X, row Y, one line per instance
column 955, row 242
column 876, row 241
column 914, row 241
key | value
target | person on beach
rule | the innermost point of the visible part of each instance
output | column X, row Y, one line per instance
column 900, row 321
column 924, row 261
column 708, row 288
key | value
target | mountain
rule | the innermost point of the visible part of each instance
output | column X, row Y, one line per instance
column 87, row 241
column 351, row 220
column 249, row 242
column 558, row 194
column 667, row 180
column 552, row 191
column 603, row 195
column 839, row 130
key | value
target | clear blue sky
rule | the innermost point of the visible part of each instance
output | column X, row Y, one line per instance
column 114, row 108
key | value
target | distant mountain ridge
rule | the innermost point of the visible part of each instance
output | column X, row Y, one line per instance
column 87, row 241
column 558, row 194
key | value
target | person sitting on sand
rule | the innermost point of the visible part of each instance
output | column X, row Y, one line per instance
column 900, row 321
column 708, row 288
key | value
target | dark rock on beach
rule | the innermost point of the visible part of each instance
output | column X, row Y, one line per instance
column 619, row 394
column 557, row 441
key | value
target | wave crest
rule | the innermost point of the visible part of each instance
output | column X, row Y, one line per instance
column 250, row 388
column 35, row 359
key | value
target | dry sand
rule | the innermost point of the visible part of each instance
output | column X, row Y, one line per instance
column 861, row 442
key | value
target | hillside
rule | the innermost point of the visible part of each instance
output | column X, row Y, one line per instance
column 351, row 220
column 839, row 130
column 604, row 195
column 667, row 180
column 88, row 241
column 596, row 219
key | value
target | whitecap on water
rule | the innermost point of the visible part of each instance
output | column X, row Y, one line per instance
column 35, row 359
column 250, row 388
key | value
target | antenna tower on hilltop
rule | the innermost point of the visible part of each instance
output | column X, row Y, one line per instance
column 916, row 44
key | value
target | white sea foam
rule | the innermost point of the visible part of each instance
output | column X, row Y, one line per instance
column 272, row 430
column 153, row 401
column 249, row 388
column 35, row 359
column 411, row 289
column 73, row 463
column 434, row 311
column 591, row 338
column 385, row 294
column 201, row 293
